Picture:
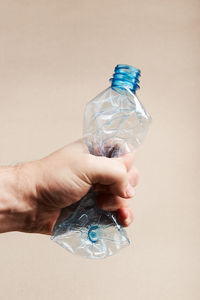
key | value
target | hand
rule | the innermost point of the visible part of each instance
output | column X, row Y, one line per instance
column 64, row 177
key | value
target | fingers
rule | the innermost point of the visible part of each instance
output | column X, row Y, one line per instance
column 122, row 206
column 114, row 179
column 125, row 216
column 112, row 202
column 114, row 173
column 116, row 203
column 133, row 178
column 111, row 173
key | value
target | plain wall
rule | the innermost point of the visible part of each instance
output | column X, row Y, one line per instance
column 54, row 57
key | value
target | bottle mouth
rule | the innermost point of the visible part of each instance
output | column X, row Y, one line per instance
column 125, row 77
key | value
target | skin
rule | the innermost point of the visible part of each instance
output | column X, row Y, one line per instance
column 32, row 194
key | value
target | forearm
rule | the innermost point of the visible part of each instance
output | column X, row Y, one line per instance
column 16, row 207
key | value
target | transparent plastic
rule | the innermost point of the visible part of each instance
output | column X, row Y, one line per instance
column 115, row 122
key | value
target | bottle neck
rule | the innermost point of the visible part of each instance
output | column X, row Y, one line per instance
column 125, row 77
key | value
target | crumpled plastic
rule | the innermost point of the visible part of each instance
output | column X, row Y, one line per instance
column 115, row 123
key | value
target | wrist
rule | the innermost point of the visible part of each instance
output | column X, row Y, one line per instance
column 17, row 193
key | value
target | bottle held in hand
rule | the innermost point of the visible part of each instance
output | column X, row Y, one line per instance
column 115, row 123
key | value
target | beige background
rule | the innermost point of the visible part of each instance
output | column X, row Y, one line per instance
column 54, row 57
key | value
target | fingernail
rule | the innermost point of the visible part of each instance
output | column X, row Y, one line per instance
column 130, row 191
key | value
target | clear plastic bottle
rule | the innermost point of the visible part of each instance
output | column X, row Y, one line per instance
column 115, row 122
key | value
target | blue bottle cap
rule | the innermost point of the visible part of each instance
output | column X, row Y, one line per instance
column 125, row 76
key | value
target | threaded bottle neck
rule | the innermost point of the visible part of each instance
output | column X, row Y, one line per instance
column 125, row 77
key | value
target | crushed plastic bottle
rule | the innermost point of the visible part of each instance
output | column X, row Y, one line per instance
column 115, row 122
